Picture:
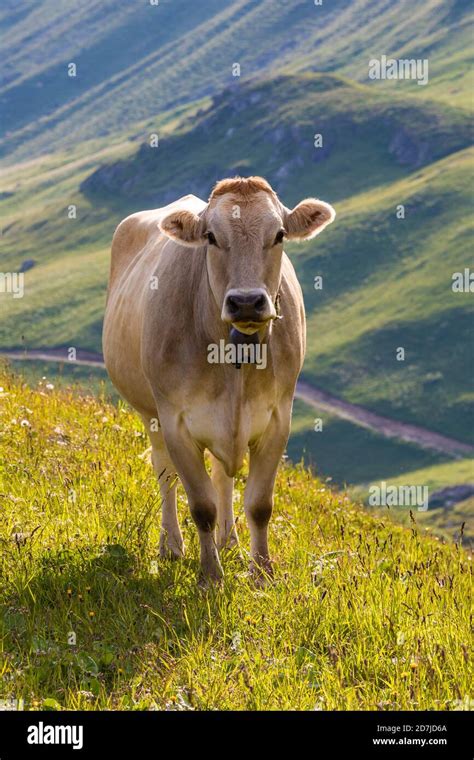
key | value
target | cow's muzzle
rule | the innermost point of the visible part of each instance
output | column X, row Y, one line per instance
column 248, row 310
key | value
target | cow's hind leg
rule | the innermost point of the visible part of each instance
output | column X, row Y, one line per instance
column 171, row 539
column 224, row 485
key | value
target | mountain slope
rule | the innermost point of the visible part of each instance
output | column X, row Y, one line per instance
column 134, row 60
column 269, row 127
column 392, row 281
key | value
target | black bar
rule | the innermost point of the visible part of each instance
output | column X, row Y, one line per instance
column 136, row 734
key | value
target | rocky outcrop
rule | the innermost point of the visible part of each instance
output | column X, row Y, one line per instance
column 26, row 265
column 409, row 149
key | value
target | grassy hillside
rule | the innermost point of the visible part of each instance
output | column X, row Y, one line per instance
column 135, row 59
column 71, row 255
column 392, row 279
column 362, row 614
column 447, row 521
column 342, row 453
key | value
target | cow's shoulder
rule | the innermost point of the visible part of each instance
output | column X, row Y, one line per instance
column 136, row 230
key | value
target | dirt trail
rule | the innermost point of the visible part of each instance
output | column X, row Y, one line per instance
column 86, row 358
column 312, row 396
column 384, row 425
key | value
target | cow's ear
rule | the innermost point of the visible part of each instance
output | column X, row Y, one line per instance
column 185, row 227
column 308, row 219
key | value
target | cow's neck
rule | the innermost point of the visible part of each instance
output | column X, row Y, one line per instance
column 207, row 314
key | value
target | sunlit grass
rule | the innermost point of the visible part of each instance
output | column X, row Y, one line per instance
column 362, row 614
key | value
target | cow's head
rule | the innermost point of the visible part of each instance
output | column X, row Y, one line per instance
column 244, row 226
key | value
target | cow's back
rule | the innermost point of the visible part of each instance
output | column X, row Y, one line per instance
column 137, row 247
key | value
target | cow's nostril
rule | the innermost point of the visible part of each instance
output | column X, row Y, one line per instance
column 260, row 303
column 233, row 305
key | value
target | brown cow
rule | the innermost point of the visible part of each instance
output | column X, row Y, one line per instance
column 191, row 283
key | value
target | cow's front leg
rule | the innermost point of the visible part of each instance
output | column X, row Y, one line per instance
column 224, row 485
column 265, row 456
column 188, row 458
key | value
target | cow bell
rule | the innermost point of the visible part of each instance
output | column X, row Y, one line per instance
column 238, row 338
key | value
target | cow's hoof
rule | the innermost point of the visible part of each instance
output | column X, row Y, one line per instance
column 229, row 543
column 171, row 550
column 210, row 576
column 261, row 572
column 205, row 583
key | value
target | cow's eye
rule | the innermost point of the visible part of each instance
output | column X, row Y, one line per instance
column 279, row 237
column 210, row 238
